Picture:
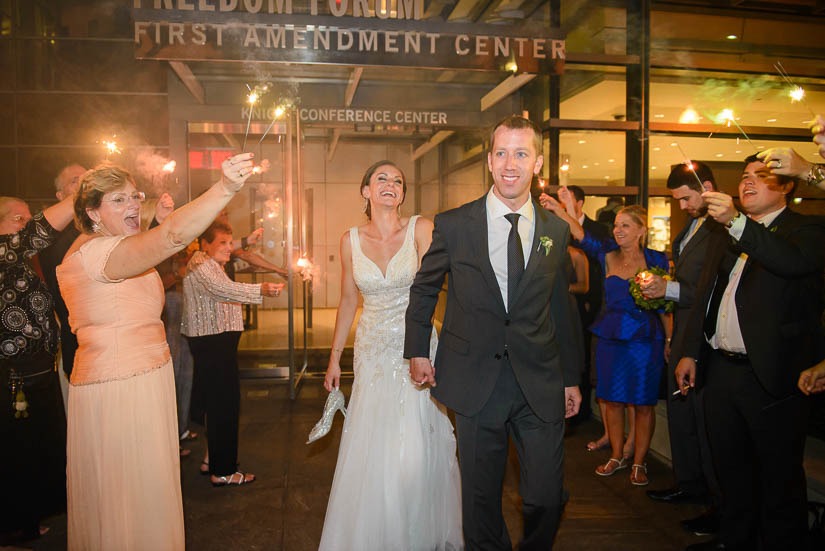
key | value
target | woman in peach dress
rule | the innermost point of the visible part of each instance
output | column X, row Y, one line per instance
column 123, row 473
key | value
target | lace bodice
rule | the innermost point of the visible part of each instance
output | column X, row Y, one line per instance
column 379, row 338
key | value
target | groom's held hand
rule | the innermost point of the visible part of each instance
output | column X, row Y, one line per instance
column 572, row 401
column 422, row 372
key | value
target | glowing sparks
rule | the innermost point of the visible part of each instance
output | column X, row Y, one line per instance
column 279, row 110
column 541, row 183
column 111, row 147
column 256, row 170
column 304, row 263
column 688, row 163
column 511, row 66
column 797, row 93
column 689, row 116
column 726, row 116
column 169, row 167
column 252, row 98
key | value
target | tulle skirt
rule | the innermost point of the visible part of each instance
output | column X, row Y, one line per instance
column 123, row 471
column 396, row 485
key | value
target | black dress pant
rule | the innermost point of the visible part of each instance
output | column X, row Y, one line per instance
column 757, row 444
column 482, row 449
column 216, row 377
column 689, row 446
column 33, row 456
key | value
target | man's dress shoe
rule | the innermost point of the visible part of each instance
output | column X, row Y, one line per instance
column 712, row 545
column 705, row 524
column 672, row 495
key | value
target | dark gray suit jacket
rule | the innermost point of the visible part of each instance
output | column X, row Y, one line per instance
column 537, row 334
column 688, row 267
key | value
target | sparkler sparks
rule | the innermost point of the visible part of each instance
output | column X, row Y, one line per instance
column 727, row 116
column 111, row 147
column 688, row 163
column 279, row 111
column 689, row 116
column 169, row 167
column 797, row 93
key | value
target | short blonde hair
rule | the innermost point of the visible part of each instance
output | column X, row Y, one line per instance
column 96, row 183
column 147, row 213
column 638, row 214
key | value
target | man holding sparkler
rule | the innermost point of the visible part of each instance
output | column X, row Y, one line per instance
column 692, row 464
column 758, row 303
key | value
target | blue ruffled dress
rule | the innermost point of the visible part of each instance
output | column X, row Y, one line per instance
column 631, row 341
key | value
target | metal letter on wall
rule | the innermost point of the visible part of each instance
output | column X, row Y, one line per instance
column 171, row 34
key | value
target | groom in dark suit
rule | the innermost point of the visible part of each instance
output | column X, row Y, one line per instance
column 505, row 363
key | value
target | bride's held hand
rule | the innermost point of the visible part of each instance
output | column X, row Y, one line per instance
column 333, row 377
column 422, row 372
column 236, row 170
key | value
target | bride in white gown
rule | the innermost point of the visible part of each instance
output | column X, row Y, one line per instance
column 396, row 484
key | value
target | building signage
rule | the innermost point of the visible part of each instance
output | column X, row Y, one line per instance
column 354, row 115
column 358, row 32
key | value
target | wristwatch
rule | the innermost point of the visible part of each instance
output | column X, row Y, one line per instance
column 734, row 219
column 815, row 175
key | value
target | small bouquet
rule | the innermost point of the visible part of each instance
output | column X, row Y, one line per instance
column 644, row 275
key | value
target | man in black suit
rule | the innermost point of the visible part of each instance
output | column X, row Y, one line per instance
column 589, row 303
column 690, row 451
column 503, row 362
column 758, row 303
column 66, row 184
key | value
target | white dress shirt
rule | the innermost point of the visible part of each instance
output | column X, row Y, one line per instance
column 672, row 288
column 498, row 231
column 728, row 336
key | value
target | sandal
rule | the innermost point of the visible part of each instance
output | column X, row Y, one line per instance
column 608, row 469
column 203, row 471
column 639, row 479
column 231, row 480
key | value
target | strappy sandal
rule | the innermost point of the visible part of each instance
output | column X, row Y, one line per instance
column 637, row 480
column 201, row 469
column 608, row 469
column 230, row 480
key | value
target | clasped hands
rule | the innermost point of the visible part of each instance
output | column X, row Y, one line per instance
column 422, row 372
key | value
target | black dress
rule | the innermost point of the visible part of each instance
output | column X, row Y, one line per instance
column 32, row 430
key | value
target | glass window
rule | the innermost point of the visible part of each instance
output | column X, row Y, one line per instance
column 592, row 93
column 86, row 65
column 692, row 97
column 592, row 158
column 71, row 119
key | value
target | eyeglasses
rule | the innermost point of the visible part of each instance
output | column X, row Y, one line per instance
column 122, row 199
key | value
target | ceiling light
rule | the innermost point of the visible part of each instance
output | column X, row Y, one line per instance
column 719, row 155
column 611, row 160
column 607, row 177
column 674, row 144
column 656, row 148
column 771, row 120
column 659, row 116
column 595, row 164
column 738, row 151
column 584, row 166
column 653, row 168
column 797, row 200
column 731, row 37
column 582, row 141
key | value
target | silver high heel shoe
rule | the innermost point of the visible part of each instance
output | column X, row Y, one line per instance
column 335, row 401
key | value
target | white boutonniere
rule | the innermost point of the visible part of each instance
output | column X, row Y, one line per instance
column 545, row 242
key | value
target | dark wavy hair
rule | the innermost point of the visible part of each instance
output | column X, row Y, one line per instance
column 365, row 181
column 782, row 179
column 682, row 175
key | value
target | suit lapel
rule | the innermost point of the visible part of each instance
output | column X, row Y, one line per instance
column 776, row 225
column 481, row 248
column 678, row 241
column 536, row 254
column 700, row 234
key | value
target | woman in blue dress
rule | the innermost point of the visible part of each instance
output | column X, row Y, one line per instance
column 631, row 345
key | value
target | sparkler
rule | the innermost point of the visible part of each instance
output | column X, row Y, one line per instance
column 111, row 147
column 727, row 115
column 689, row 164
column 689, row 116
column 797, row 93
column 278, row 112
column 251, row 99
column 169, row 167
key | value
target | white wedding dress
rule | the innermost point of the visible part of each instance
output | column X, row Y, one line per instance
column 396, row 485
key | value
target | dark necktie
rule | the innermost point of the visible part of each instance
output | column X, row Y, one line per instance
column 515, row 258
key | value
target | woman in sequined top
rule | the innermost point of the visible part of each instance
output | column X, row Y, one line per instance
column 213, row 323
column 32, row 420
